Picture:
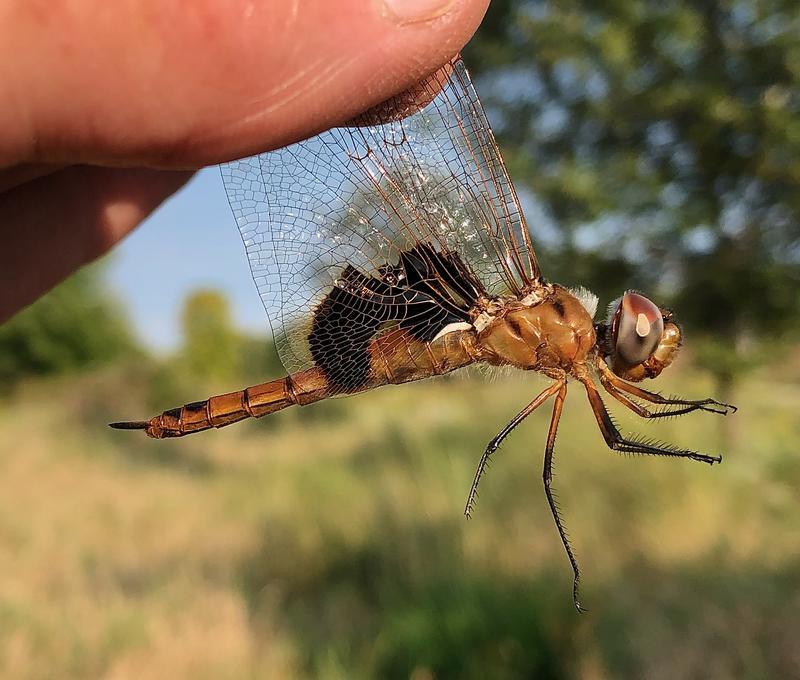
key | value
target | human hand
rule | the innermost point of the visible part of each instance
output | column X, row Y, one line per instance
column 109, row 108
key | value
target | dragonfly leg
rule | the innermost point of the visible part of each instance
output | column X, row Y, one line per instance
column 498, row 439
column 672, row 406
column 617, row 442
column 547, row 477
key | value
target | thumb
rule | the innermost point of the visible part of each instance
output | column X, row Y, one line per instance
column 170, row 84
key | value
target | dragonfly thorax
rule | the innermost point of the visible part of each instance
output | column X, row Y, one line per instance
column 556, row 333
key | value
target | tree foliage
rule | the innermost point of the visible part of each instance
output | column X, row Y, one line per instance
column 75, row 326
column 216, row 353
column 211, row 344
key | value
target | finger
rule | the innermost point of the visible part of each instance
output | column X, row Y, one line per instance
column 19, row 174
column 86, row 211
column 170, row 84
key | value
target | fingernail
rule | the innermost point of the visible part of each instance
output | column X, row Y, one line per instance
column 415, row 11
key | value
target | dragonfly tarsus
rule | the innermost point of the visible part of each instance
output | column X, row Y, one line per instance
column 668, row 409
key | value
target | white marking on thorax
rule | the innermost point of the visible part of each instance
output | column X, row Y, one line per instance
column 532, row 298
column 452, row 327
column 482, row 321
column 587, row 298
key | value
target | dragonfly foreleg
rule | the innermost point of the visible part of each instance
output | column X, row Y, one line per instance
column 617, row 442
column 672, row 406
column 547, row 477
column 498, row 439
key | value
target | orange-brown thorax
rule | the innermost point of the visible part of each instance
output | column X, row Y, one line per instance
column 556, row 333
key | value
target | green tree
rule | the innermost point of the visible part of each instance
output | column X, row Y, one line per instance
column 75, row 326
column 211, row 344
column 259, row 360
column 664, row 137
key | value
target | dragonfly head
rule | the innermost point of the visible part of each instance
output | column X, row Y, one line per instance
column 639, row 339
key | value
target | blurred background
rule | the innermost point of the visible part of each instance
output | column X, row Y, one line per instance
column 656, row 145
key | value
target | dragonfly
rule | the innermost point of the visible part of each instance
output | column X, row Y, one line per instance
column 394, row 249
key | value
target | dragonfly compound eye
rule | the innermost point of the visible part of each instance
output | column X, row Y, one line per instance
column 637, row 327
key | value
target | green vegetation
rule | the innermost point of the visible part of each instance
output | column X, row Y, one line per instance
column 660, row 143
column 73, row 328
column 211, row 344
column 328, row 541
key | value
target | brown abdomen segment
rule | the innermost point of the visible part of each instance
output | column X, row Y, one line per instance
column 301, row 388
column 394, row 358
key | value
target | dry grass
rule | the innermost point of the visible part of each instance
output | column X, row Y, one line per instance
column 329, row 542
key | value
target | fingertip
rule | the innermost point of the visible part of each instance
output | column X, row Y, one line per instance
column 164, row 84
column 358, row 58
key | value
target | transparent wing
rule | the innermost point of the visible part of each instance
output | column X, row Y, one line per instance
column 417, row 178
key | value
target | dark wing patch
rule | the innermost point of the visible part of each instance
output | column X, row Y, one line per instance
column 422, row 293
column 443, row 276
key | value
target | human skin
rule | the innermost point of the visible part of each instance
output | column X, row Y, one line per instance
column 108, row 108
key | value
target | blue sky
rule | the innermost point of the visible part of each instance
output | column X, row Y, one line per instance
column 190, row 242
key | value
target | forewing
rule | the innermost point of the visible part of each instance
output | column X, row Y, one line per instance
column 419, row 171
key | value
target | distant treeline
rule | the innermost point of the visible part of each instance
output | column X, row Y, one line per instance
column 80, row 326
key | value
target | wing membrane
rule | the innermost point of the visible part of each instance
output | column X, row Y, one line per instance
column 418, row 176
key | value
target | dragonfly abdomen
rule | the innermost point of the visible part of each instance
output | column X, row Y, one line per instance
column 394, row 358
column 301, row 388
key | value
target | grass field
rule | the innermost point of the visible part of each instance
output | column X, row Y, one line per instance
column 329, row 541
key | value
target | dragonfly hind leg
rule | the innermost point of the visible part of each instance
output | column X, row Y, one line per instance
column 498, row 439
column 559, row 390
column 547, row 478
